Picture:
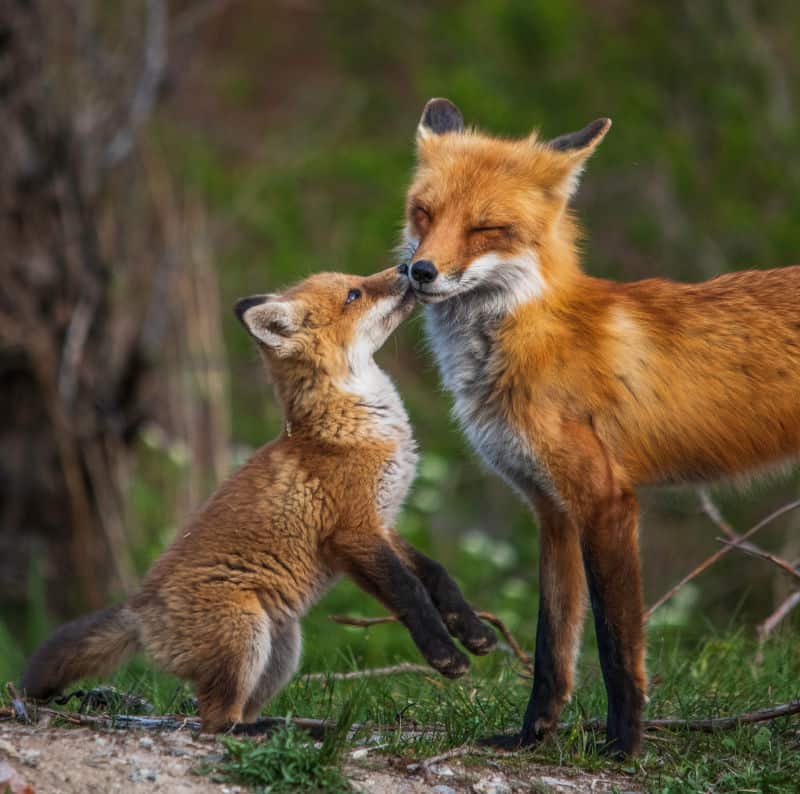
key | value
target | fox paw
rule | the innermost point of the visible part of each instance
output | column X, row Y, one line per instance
column 475, row 635
column 453, row 665
column 480, row 640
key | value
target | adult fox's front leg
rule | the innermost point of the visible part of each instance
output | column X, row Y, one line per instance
column 562, row 606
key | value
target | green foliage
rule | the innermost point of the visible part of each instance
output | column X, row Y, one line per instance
column 286, row 761
column 718, row 677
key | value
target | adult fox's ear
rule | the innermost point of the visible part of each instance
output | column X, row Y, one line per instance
column 438, row 117
column 576, row 148
column 270, row 320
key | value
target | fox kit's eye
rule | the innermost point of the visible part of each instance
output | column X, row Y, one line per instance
column 353, row 295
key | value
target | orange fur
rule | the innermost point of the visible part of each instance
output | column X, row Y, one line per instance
column 577, row 389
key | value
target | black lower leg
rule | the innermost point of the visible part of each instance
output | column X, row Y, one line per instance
column 458, row 615
column 625, row 700
column 382, row 573
column 548, row 693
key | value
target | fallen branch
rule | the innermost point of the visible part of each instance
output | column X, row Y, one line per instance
column 721, row 552
column 318, row 728
column 726, row 723
column 489, row 617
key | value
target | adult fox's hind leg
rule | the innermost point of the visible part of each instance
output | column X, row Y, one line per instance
column 283, row 661
column 605, row 511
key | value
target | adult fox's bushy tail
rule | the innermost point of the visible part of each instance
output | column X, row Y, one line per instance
column 95, row 644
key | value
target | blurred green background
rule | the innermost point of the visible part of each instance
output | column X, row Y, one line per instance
column 289, row 127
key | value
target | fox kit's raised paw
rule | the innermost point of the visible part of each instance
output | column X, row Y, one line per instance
column 474, row 634
column 450, row 662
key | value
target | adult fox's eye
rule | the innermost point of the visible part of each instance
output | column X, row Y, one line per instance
column 490, row 229
column 353, row 295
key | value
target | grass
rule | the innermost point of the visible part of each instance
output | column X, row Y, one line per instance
column 716, row 677
column 286, row 761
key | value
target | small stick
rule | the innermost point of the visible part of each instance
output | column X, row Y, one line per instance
column 717, row 554
column 347, row 620
column 489, row 617
column 370, row 672
column 710, row 508
column 17, row 704
column 768, row 626
column 456, row 752
column 524, row 657
column 754, row 551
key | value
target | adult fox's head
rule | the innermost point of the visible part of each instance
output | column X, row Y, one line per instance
column 490, row 214
column 330, row 323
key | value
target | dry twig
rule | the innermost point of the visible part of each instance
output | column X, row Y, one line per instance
column 370, row 672
column 765, row 628
column 456, row 752
column 18, row 710
column 489, row 617
column 764, row 555
column 721, row 552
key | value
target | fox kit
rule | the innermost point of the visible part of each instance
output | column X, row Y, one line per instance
column 577, row 390
column 221, row 606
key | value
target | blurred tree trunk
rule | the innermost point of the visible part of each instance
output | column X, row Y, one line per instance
column 84, row 276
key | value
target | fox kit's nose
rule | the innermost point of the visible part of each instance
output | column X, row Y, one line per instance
column 243, row 304
column 423, row 271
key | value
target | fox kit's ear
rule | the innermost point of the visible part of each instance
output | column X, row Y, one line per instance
column 438, row 117
column 270, row 320
column 577, row 148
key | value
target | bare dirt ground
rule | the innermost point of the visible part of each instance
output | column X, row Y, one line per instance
column 88, row 761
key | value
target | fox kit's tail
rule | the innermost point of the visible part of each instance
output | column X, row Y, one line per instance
column 95, row 644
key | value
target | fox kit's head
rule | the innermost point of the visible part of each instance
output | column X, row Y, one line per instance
column 490, row 214
column 330, row 324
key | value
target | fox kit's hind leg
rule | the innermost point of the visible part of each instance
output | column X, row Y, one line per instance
column 238, row 649
column 457, row 614
column 283, row 661
column 377, row 568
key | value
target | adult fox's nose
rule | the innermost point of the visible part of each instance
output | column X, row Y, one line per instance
column 424, row 271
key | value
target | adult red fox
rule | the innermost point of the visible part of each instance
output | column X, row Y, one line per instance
column 221, row 606
column 577, row 390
